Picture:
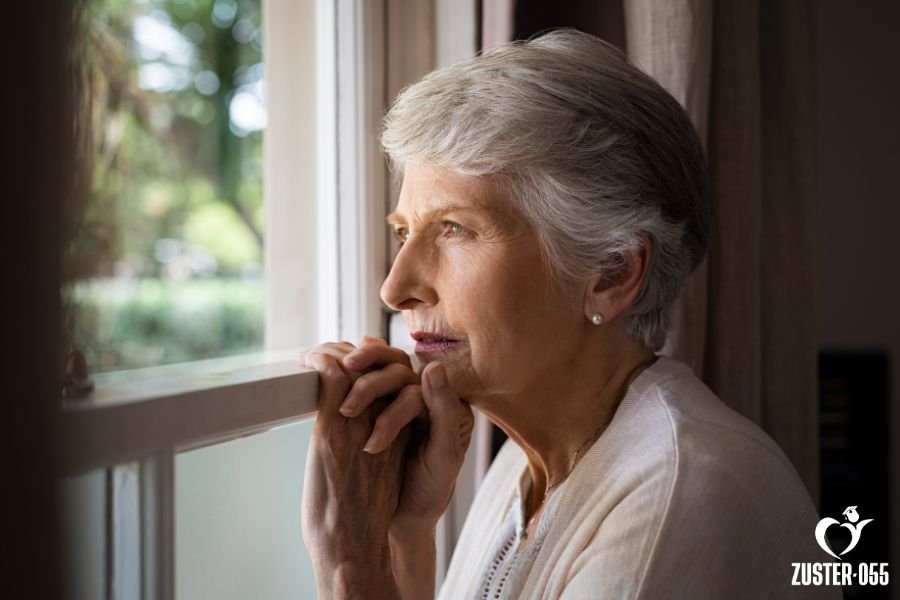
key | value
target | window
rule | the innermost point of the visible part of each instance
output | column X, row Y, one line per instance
column 176, row 474
column 166, row 265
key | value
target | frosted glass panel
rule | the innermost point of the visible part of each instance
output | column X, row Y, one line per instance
column 237, row 511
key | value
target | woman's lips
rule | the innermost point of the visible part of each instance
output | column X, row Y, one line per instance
column 430, row 343
column 435, row 346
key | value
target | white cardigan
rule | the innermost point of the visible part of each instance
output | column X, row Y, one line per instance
column 680, row 497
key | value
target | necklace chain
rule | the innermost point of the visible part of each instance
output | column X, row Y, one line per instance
column 577, row 453
column 550, row 488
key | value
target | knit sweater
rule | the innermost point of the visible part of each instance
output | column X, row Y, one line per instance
column 681, row 497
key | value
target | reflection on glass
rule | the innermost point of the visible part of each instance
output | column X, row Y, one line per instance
column 166, row 261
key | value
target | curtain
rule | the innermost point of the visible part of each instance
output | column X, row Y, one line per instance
column 743, row 69
column 746, row 322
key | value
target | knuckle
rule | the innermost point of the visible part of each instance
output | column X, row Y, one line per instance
column 333, row 347
column 375, row 349
column 333, row 373
column 397, row 369
column 313, row 356
column 362, row 387
column 329, row 370
column 396, row 356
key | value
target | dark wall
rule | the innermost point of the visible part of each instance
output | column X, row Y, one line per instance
column 603, row 18
column 858, row 208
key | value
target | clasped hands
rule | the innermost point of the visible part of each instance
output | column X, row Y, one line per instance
column 386, row 448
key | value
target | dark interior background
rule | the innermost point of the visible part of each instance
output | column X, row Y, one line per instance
column 858, row 209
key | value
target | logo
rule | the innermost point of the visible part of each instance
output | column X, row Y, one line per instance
column 855, row 530
column 840, row 573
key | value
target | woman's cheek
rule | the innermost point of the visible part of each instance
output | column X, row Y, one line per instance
column 472, row 262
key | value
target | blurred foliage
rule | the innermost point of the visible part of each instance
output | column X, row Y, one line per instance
column 131, row 324
column 175, row 103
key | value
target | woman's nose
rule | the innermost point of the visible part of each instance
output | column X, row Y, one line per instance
column 408, row 282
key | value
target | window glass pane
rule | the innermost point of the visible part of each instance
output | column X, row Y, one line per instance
column 84, row 534
column 237, row 518
column 166, row 262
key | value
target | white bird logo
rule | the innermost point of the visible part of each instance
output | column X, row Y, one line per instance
column 854, row 527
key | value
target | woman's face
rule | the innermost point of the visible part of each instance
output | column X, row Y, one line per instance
column 473, row 287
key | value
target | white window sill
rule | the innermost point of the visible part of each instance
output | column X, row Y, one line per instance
column 136, row 414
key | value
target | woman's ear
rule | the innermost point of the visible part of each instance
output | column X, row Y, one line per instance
column 611, row 293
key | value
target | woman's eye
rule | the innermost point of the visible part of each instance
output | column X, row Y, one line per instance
column 452, row 229
column 401, row 233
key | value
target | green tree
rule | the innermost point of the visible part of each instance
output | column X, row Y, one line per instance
column 163, row 75
column 175, row 182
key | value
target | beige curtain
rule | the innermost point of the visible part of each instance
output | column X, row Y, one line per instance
column 746, row 323
column 744, row 71
column 497, row 22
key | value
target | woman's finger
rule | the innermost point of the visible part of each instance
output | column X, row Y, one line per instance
column 405, row 408
column 333, row 385
column 336, row 349
column 451, row 418
column 373, row 352
column 376, row 384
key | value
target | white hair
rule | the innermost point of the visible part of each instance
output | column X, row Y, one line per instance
column 596, row 154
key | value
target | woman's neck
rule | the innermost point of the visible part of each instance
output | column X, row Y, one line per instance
column 560, row 414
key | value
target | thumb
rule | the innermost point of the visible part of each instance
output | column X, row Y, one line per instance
column 451, row 419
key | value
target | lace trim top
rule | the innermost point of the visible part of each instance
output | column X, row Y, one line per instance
column 505, row 574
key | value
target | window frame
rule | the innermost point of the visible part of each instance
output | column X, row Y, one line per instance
column 148, row 416
column 348, row 209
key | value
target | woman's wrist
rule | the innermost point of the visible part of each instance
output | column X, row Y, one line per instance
column 407, row 530
column 351, row 580
column 413, row 559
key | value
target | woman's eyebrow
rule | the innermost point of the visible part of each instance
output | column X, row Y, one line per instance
column 395, row 218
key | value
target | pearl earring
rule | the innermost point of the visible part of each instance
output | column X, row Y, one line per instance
column 596, row 318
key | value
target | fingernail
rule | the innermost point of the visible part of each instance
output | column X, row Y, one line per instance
column 374, row 443
column 437, row 377
column 352, row 357
column 348, row 408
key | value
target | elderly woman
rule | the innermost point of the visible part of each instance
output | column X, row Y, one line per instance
column 554, row 201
